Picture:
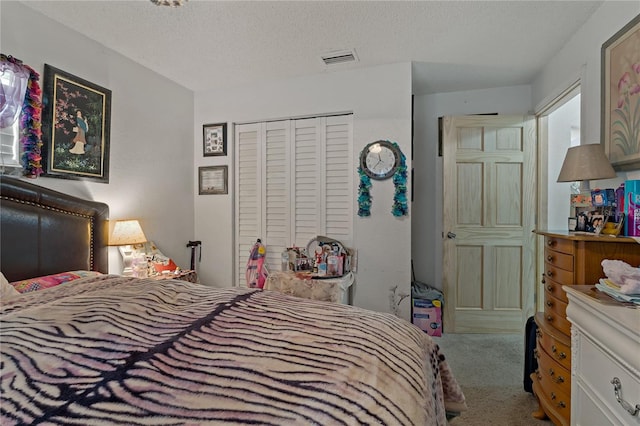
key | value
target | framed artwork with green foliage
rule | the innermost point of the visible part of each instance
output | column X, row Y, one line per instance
column 75, row 127
column 620, row 124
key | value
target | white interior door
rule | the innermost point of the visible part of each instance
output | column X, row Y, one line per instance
column 489, row 215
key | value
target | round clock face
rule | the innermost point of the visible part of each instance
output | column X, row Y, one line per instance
column 380, row 159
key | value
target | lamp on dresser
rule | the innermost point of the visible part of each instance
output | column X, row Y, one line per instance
column 127, row 234
column 584, row 163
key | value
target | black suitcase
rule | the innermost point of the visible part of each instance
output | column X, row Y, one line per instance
column 530, row 362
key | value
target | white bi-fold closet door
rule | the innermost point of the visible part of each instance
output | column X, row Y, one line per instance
column 294, row 181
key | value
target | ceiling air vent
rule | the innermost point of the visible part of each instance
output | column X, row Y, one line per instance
column 339, row 57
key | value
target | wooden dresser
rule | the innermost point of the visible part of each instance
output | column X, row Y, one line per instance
column 569, row 259
column 605, row 338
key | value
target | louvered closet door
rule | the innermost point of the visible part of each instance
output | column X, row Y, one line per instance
column 248, row 138
column 294, row 183
column 306, row 183
column 275, row 176
column 338, row 184
column 322, row 184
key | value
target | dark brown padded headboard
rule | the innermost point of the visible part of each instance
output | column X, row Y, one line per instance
column 45, row 232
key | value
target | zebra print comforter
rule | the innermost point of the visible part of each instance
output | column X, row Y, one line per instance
column 127, row 351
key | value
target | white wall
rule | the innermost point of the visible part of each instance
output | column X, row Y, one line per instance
column 427, row 206
column 155, row 143
column 380, row 99
column 580, row 59
column 560, row 139
column 151, row 129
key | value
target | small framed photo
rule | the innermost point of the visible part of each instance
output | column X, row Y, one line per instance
column 214, row 139
column 597, row 223
column 212, row 180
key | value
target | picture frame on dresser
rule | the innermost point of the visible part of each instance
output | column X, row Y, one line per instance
column 76, row 121
column 620, row 125
column 214, row 140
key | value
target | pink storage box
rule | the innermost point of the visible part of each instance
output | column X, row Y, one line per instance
column 427, row 315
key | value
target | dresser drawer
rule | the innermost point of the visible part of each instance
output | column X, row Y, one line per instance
column 557, row 321
column 557, row 347
column 555, row 373
column 555, row 289
column 599, row 370
column 556, row 305
column 556, row 404
column 558, row 275
column 559, row 259
column 562, row 245
column 586, row 411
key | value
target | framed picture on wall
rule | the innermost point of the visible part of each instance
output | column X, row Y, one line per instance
column 620, row 124
column 75, row 127
column 214, row 139
column 212, row 180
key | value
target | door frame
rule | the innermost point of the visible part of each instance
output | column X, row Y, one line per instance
column 542, row 125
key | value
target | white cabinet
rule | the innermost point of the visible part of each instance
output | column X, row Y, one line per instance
column 605, row 349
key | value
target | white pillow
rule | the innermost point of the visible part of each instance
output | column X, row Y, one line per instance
column 6, row 290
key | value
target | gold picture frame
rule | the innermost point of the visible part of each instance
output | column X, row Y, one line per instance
column 620, row 123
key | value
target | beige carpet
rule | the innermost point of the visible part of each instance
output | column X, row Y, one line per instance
column 490, row 370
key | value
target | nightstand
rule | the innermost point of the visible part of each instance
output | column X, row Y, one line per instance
column 184, row 275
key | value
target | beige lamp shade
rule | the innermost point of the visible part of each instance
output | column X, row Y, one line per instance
column 127, row 232
column 584, row 163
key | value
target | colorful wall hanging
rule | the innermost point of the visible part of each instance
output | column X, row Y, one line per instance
column 30, row 115
column 400, row 205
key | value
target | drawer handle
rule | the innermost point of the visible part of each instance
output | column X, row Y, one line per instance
column 560, row 404
column 617, row 390
column 552, row 373
column 549, row 318
column 560, row 355
column 549, row 303
column 551, row 243
column 549, row 273
column 538, row 333
column 550, row 287
column 535, row 353
column 549, row 258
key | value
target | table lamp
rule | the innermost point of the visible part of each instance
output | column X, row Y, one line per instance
column 126, row 235
column 584, row 163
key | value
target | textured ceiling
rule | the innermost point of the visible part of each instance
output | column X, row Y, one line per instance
column 454, row 45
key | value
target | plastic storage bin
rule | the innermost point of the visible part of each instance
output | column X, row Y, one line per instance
column 426, row 308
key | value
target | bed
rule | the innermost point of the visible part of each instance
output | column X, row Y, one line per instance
column 108, row 349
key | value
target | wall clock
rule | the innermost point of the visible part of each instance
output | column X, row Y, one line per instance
column 380, row 159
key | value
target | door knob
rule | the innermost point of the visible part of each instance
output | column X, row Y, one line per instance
column 451, row 235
